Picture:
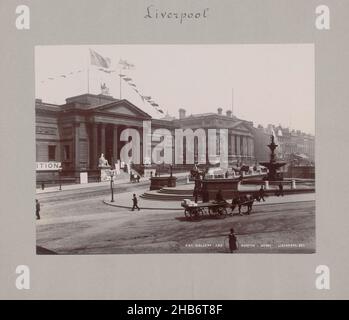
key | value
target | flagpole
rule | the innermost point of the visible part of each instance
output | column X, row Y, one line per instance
column 88, row 79
column 232, row 101
column 120, row 83
column 88, row 73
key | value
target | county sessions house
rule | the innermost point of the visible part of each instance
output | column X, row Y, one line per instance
column 77, row 132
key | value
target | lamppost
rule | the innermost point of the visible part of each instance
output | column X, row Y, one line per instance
column 111, row 185
column 59, row 177
column 159, row 166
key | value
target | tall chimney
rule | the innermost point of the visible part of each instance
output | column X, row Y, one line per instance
column 220, row 111
column 229, row 113
column 181, row 113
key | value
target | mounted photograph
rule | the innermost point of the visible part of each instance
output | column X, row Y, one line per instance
column 175, row 149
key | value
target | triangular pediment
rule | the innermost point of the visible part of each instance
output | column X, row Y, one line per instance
column 123, row 107
column 240, row 126
column 123, row 110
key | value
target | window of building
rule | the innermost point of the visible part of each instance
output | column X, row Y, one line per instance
column 66, row 152
column 51, row 153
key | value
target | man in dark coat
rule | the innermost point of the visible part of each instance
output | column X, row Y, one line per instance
column 261, row 193
column 37, row 209
column 232, row 241
column 135, row 202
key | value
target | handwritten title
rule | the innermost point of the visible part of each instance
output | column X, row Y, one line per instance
column 180, row 16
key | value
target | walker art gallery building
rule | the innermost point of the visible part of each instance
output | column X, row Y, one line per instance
column 77, row 132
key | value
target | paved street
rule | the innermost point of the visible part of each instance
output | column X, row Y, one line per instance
column 76, row 222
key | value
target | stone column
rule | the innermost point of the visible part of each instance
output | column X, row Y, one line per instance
column 232, row 143
column 140, row 129
column 207, row 158
column 238, row 151
column 245, row 146
column 76, row 146
column 115, row 144
column 252, row 148
column 94, row 146
column 103, row 138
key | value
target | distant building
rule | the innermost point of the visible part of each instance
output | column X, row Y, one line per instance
column 77, row 132
column 291, row 143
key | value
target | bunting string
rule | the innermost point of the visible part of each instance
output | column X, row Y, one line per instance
column 103, row 65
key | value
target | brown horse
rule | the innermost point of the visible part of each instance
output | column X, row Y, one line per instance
column 243, row 201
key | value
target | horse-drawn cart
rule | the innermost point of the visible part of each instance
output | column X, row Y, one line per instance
column 192, row 209
column 223, row 208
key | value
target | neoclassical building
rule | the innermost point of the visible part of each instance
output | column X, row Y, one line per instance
column 77, row 132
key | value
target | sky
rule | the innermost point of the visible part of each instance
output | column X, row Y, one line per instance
column 263, row 83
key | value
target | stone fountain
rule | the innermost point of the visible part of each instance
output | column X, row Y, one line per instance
column 273, row 165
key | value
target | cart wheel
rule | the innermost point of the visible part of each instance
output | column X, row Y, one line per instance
column 202, row 211
column 187, row 213
column 222, row 211
column 197, row 212
column 211, row 211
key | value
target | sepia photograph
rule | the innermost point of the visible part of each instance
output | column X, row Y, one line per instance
column 175, row 149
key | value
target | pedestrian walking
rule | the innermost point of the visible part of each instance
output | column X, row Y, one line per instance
column 37, row 209
column 135, row 202
column 232, row 241
column 281, row 190
column 261, row 193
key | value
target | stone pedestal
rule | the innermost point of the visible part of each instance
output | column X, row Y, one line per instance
column 105, row 173
column 293, row 184
column 266, row 185
column 229, row 187
column 156, row 183
column 83, row 177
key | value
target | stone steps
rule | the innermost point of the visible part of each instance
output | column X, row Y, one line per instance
column 165, row 197
column 169, row 194
column 176, row 191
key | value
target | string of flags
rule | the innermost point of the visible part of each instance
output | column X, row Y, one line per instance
column 104, row 65
column 70, row 74
column 126, row 65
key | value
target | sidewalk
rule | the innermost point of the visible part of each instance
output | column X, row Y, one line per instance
column 86, row 185
column 117, row 181
column 123, row 200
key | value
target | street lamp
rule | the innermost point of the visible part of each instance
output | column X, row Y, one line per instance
column 59, row 177
column 111, row 185
column 159, row 167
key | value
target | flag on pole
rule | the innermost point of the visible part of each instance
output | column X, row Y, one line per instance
column 98, row 60
column 125, row 65
column 127, row 79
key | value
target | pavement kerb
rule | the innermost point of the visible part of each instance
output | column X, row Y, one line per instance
column 142, row 208
column 167, row 208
